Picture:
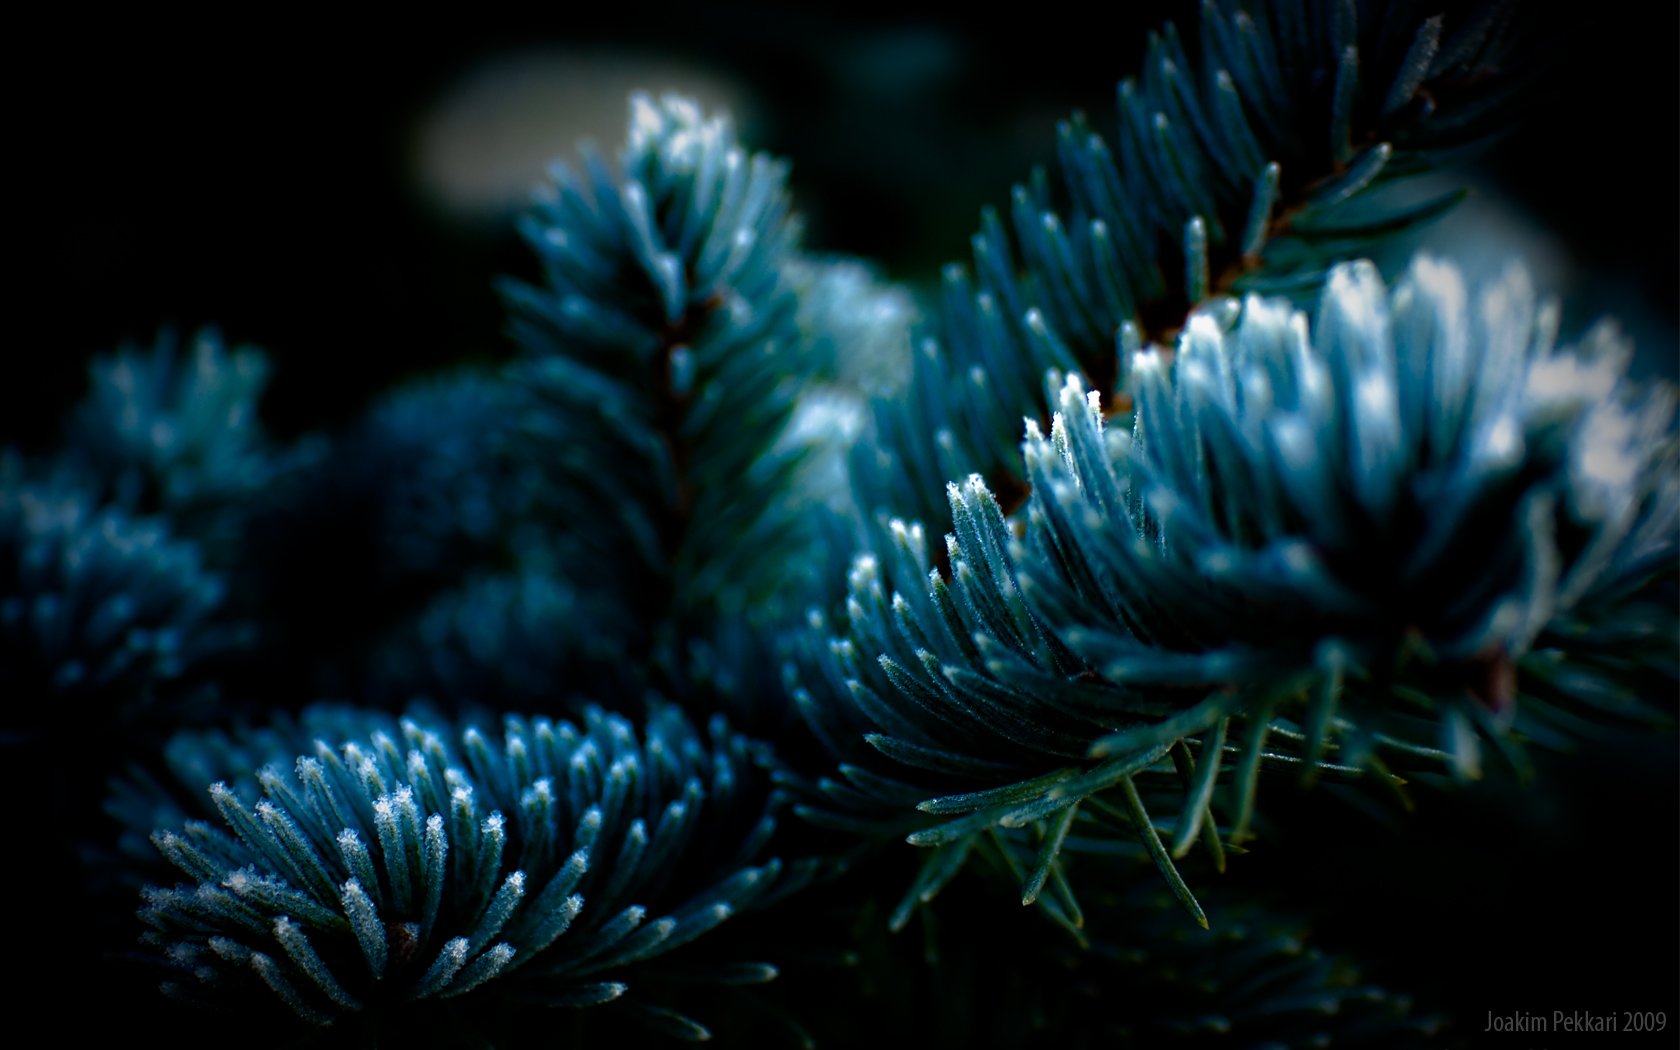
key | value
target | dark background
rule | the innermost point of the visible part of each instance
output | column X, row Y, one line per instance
column 259, row 174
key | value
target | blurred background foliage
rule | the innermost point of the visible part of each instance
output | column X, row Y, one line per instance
column 340, row 193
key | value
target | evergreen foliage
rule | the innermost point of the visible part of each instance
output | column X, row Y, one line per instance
column 176, row 432
column 1155, row 976
column 1173, row 492
column 1254, row 165
column 541, row 863
column 667, row 340
column 664, row 339
column 1316, row 545
column 105, row 618
column 503, row 640
column 451, row 490
column 1370, row 514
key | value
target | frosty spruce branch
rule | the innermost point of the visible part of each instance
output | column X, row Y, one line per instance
column 542, row 862
column 1201, row 565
